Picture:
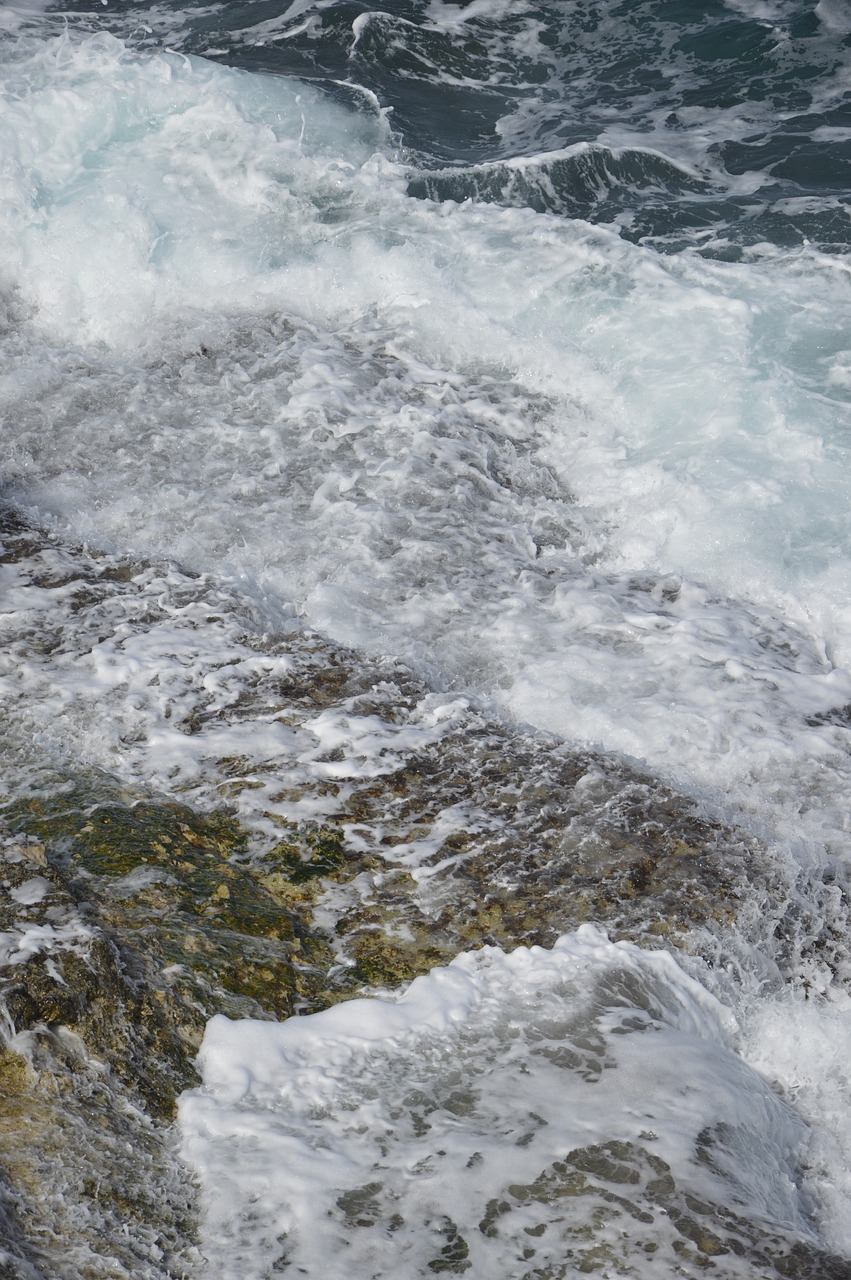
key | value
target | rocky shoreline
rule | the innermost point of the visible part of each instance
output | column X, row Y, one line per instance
column 276, row 885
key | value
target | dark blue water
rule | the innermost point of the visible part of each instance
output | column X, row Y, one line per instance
column 719, row 127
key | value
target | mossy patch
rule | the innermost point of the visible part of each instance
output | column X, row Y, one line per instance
column 535, row 841
column 318, row 853
column 15, row 1074
column 181, row 929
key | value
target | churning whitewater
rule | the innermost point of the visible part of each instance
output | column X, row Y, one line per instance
column 509, row 343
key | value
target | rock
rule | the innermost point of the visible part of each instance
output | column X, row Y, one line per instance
column 129, row 916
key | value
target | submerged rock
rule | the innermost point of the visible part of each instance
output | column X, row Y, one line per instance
column 303, row 825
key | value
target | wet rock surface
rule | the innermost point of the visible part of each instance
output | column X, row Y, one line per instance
column 383, row 831
column 94, row 1054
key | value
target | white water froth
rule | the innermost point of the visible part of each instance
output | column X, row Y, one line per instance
column 495, row 443
column 373, row 1135
column 606, row 489
column 805, row 1047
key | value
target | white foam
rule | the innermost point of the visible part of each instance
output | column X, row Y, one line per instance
column 834, row 15
column 605, row 488
column 30, row 891
column 379, row 1129
column 688, row 409
column 163, row 216
column 805, row 1045
column 240, row 343
column 21, row 943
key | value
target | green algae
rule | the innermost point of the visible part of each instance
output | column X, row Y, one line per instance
column 170, row 892
column 153, row 925
column 385, row 964
column 552, row 839
column 318, row 853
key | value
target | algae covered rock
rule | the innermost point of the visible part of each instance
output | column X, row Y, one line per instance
column 170, row 928
column 124, row 925
column 286, row 823
column 92, row 1063
column 490, row 836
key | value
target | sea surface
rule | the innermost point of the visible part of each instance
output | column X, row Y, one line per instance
column 510, row 339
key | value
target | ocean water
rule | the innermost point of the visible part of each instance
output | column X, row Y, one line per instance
column 511, row 341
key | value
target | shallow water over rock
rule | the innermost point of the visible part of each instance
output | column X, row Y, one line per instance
column 337, row 828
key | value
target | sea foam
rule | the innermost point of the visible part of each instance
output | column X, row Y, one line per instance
column 605, row 489
column 509, row 1112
